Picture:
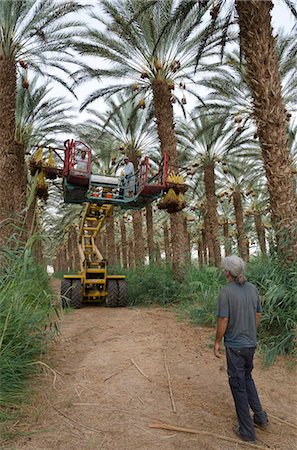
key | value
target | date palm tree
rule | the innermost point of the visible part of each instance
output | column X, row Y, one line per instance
column 258, row 45
column 39, row 117
column 148, row 57
column 208, row 145
column 35, row 35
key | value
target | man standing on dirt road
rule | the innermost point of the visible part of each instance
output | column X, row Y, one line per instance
column 239, row 314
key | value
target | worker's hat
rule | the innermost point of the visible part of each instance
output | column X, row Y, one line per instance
column 126, row 158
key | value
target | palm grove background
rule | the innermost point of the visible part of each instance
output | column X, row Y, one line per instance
column 142, row 64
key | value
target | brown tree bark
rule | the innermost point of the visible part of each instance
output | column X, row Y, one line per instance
column 124, row 244
column 138, row 238
column 207, row 236
column 158, row 254
column 110, row 239
column 211, row 205
column 166, row 243
column 165, row 127
column 260, row 230
column 13, row 180
column 131, row 255
column 204, row 246
column 187, row 241
column 263, row 74
column 150, row 232
column 200, row 252
column 241, row 237
column 227, row 240
column 118, row 254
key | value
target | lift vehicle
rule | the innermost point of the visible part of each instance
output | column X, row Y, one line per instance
column 99, row 193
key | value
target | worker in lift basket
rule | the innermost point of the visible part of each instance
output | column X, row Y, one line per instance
column 129, row 177
column 82, row 163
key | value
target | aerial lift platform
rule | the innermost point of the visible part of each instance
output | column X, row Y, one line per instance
column 99, row 194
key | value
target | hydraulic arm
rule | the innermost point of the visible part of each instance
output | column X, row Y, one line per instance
column 92, row 283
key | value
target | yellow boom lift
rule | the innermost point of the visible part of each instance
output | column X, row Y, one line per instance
column 92, row 283
column 98, row 193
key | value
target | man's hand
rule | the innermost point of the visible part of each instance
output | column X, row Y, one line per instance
column 217, row 349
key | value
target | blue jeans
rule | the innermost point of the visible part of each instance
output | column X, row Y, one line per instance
column 245, row 395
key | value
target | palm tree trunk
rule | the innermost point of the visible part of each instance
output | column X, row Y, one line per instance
column 158, row 254
column 131, row 255
column 210, row 194
column 165, row 126
column 204, row 245
column 260, row 230
column 227, row 241
column 200, row 252
column 187, row 242
column 124, row 243
column 118, row 254
column 138, row 238
column 12, row 162
column 262, row 70
column 241, row 238
column 110, row 239
column 207, row 236
column 166, row 243
column 150, row 232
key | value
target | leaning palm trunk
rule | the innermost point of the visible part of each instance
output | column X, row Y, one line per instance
column 260, row 230
column 110, row 238
column 241, row 237
column 164, row 114
column 262, row 69
column 138, row 238
column 12, row 163
column 210, row 194
column 150, row 232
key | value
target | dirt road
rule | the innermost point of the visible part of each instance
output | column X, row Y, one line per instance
column 111, row 382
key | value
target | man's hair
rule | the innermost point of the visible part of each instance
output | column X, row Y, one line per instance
column 235, row 265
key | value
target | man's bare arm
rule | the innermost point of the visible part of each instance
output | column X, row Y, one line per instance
column 258, row 319
column 222, row 324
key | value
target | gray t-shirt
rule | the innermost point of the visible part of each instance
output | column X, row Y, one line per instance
column 239, row 303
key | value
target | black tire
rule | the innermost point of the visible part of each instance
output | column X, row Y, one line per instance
column 66, row 293
column 123, row 293
column 112, row 298
column 76, row 294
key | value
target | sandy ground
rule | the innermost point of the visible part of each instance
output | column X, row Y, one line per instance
column 111, row 382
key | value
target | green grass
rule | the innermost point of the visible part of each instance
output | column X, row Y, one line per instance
column 26, row 325
column 277, row 284
column 196, row 298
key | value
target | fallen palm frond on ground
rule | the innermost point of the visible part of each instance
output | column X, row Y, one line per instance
column 169, row 427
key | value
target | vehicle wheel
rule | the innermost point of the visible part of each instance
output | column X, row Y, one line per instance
column 76, row 294
column 112, row 297
column 123, row 293
column 66, row 293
